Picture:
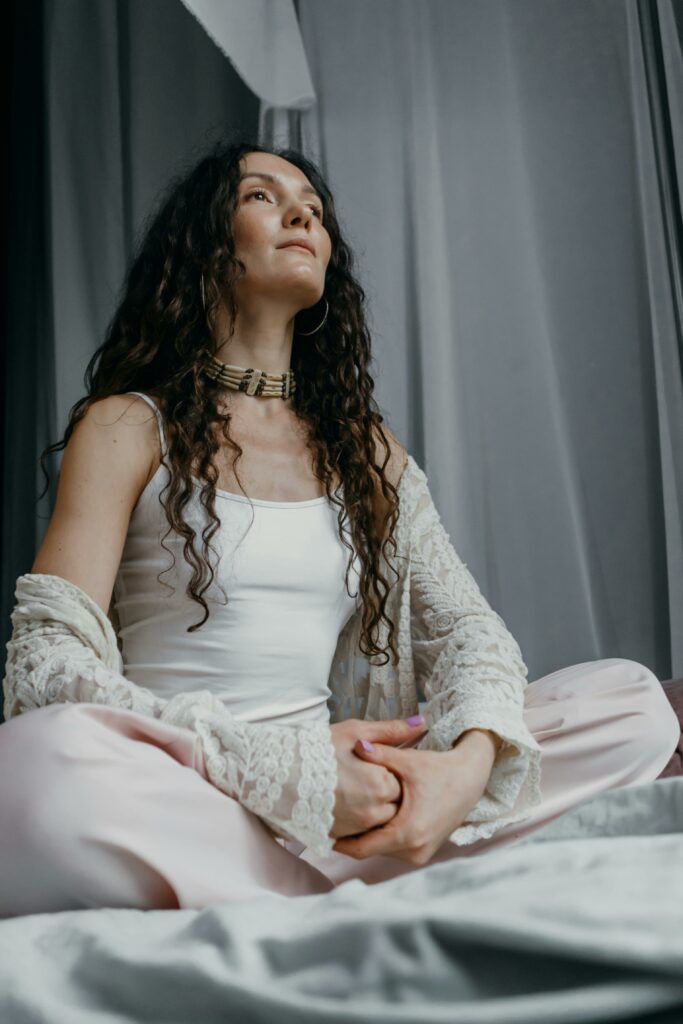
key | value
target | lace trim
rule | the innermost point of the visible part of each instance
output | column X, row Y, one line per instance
column 286, row 775
column 472, row 672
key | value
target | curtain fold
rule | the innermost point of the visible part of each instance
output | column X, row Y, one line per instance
column 656, row 63
column 262, row 40
column 28, row 381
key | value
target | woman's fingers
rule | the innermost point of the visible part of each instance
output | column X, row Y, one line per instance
column 387, row 812
column 394, row 787
column 384, row 785
column 395, row 731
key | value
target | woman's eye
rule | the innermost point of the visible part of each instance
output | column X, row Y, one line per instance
column 260, row 192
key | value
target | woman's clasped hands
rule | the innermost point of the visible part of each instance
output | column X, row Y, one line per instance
column 401, row 802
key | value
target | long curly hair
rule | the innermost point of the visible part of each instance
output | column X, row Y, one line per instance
column 157, row 342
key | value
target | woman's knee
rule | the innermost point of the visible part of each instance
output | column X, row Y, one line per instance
column 42, row 778
column 55, row 771
column 656, row 729
column 35, row 839
column 622, row 695
column 60, row 803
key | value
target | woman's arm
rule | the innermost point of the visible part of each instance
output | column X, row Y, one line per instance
column 478, row 767
column 106, row 463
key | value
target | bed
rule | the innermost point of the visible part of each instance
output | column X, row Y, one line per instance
column 581, row 921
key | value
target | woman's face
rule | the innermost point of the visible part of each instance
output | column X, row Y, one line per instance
column 272, row 211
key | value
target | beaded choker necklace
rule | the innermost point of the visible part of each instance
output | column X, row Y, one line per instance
column 250, row 380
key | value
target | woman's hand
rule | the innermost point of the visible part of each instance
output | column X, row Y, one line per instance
column 439, row 790
column 367, row 795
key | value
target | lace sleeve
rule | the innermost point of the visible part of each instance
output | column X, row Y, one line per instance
column 63, row 649
column 471, row 671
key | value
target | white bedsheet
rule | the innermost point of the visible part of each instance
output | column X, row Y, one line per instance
column 581, row 921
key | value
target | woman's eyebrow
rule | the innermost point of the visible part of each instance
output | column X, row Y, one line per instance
column 276, row 181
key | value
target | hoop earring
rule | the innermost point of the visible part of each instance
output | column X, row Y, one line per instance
column 201, row 284
column 315, row 329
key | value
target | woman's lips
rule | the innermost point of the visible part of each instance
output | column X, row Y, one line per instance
column 301, row 248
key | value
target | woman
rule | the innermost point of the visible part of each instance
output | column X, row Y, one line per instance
column 179, row 761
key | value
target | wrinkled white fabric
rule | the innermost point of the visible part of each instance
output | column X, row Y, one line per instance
column 579, row 922
column 450, row 641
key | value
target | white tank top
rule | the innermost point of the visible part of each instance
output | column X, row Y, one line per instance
column 267, row 652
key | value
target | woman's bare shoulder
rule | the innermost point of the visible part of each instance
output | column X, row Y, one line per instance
column 126, row 407
column 127, row 419
column 104, row 467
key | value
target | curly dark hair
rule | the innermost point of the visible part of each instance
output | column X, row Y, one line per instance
column 157, row 341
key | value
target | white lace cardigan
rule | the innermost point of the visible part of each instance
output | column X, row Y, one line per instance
column 450, row 643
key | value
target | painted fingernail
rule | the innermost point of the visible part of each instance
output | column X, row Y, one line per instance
column 415, row 720
column 367, row 745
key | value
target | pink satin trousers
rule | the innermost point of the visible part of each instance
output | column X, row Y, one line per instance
column 103, row 807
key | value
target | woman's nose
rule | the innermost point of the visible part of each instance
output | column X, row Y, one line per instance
column 299, row 212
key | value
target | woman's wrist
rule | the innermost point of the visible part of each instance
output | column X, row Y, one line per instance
column 480, row 739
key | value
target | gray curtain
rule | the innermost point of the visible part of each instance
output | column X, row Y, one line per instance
column 509, row 175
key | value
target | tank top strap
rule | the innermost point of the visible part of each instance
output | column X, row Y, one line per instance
column 160, row 418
